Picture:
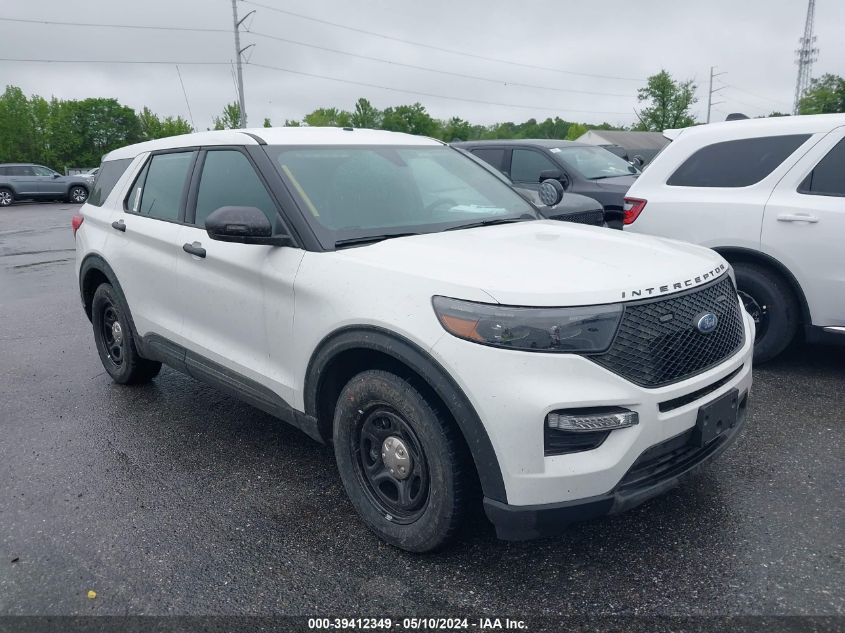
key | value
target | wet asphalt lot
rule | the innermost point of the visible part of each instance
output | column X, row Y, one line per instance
column 171, row 498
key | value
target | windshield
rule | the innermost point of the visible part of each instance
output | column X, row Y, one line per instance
column 355, row 192
column 595, row 163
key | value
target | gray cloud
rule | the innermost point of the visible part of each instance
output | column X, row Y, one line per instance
column 752, row 41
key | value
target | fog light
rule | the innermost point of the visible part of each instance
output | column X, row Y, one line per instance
column 592, row 420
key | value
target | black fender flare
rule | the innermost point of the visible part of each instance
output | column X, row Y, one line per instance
column 438, row 379
column 96, row 262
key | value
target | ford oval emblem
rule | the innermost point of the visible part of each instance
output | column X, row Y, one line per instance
column 706, row 322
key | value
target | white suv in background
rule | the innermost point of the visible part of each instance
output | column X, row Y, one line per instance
column 769, row 196
column 389, row 294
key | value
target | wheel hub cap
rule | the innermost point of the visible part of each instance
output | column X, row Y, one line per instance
column 397, row 460
column 117, row 332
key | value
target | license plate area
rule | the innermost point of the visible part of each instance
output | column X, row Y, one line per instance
column 717, row 417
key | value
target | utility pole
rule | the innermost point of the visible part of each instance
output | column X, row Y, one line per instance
column 711, row 90
column 805, row 56
column 239, row 52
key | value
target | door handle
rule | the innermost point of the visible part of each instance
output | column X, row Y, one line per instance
column 119, row 225
column 194, row 249
column 797, row 217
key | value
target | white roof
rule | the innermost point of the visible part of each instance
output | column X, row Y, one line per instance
column 275, row 136
column 775, row 126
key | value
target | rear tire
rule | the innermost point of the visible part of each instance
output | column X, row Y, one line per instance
column 77, row 194
column 115, row 341
column 7, row 197
column 771, row 302
column 401, row 462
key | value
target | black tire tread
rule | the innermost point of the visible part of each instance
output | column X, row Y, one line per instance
column 139, row 370
column 455, row 453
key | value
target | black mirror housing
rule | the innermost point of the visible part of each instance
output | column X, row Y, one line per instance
column 554, row 174
column 244, row 225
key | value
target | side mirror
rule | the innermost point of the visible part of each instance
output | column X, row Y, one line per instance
column 551, row 192
column 555, row 174
column 637, row 161
column 244, row 225
column 56, row 175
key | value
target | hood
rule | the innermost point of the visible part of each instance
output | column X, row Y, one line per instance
column 546, row 263
column 617, row 183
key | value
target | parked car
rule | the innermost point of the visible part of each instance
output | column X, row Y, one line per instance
column 769, row 196
column 387, row 294
column 24, row 181
column 571, row 208
column 584, row 169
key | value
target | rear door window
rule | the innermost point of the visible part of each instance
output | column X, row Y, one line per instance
column 527, row 164
column 107, row 178
column 493, row 156
column 159, row 190
column 828, row 177
column 738, row 163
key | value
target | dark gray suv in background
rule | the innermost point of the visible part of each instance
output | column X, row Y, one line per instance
column 25, row 181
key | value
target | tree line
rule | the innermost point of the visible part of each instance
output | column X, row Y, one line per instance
column 63, row 133
column 73, row 133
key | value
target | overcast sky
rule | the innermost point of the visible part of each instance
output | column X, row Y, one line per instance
column 752, row 41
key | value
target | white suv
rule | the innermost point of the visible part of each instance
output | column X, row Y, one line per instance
column 387, row 293
column 769, row 196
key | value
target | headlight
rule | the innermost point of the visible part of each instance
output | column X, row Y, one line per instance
column 588, row 329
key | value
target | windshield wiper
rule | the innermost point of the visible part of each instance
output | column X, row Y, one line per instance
column 491, row 222
column 369, row 239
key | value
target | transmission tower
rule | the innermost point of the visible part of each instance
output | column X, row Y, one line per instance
column 805, row 56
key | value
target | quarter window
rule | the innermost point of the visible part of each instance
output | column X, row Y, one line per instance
column 828, row 177
column 527, row 164
column 229, row 180
column 107, row 178
column 158, row 190
column 738, row 163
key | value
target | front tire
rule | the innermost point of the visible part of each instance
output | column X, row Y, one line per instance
column 401, row 462
column 77, row 194
column 7, row 197
column 115, row 341
column 770, row 301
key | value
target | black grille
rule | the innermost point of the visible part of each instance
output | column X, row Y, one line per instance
column 658, row 342
column 595, row 218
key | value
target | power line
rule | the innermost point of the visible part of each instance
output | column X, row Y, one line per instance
column 327, row 49
column 436, row 70
column 111, row 61
column 452, row 51
column 756, row 96
column 427, row 94
column 117, row 26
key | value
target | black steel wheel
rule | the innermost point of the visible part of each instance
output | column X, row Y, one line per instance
column 114, row 339
column 391, row 464
column 760, row 314
column 402, row 463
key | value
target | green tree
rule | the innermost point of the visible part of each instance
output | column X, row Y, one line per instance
column 292, row 123
column 366, row 115
column 455, row 129
column 267, row 122
column 825, row 95
column 230, row 119
column 102, row 125
column 18, row 140
column 328, row 117
column 667, row 103
column 575, row 130
column 412, row 119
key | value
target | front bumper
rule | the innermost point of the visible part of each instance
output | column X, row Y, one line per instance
column 657, row 470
